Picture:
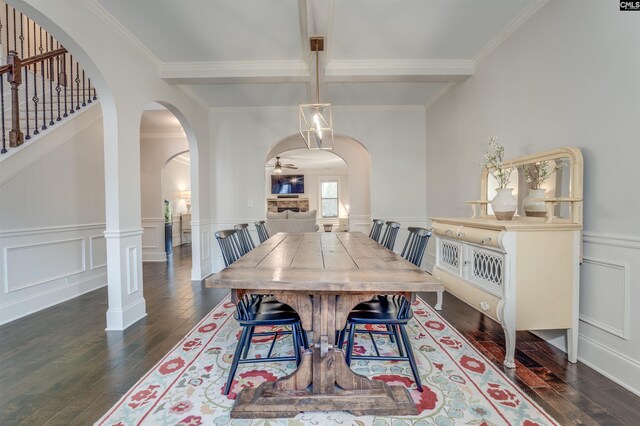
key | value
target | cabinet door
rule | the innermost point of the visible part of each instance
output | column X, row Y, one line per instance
column 485, row 268
column 450, row 255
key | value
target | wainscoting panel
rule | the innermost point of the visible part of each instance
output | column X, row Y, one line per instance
column 604, row 301
column 132, row 270
column 54, row 260
column 153, row 249
column 97, row 252
column 41, row 267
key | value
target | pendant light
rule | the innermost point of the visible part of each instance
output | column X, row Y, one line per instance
column 316, row 124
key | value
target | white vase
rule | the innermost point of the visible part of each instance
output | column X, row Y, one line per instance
column 534, row 208
column 504, row 204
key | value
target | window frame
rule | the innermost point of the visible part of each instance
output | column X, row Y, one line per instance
column 322, row 180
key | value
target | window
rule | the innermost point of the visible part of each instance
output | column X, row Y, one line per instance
column 329, row 198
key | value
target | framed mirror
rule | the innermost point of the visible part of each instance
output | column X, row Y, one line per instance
column 547, row 185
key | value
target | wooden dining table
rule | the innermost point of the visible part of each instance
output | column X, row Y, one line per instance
column 323, row 276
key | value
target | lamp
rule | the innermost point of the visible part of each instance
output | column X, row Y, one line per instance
column 186, row 195
column 315, row 120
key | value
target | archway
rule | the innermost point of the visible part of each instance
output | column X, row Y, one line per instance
column 358, row 161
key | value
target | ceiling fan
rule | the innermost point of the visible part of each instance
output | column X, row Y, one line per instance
column 278, row 166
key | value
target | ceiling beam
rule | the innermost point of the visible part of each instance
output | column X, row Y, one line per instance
column 399, row 70
column 235, row 72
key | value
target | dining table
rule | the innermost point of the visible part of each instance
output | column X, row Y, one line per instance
column 323, row 276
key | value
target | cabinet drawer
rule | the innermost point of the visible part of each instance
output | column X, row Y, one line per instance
column 445, row 229
column 483, row 237
column 479, row 299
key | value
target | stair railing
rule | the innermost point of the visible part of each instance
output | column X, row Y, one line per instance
column 48, row 74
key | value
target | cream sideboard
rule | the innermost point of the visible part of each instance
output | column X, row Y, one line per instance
column 522, row 273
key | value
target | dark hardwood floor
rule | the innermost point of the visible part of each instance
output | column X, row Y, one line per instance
column 60, row 367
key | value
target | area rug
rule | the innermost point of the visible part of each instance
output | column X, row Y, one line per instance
column 460, row 386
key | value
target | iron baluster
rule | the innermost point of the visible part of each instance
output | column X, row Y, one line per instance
column 51, row 123
column 89, row 85
column 84, row 93
column 4, row 138
column 44, row 97
column 64, row 67
column 6, row 19
column 35, row 98
column 72, row 110
column 58, row 88
column 77, row 85
column 94, row 93
column 26, row 83
column 21, row 35
column 15, row 39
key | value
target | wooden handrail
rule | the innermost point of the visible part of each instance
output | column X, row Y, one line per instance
column 5, row 69
column 43, row 56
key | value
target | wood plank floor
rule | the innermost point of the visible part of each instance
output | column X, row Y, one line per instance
column 60, row 367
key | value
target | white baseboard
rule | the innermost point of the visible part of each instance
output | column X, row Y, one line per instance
column 154, row 256
column 619, row 367
column 118, row 320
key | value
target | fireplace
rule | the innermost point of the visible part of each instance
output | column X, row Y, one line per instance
column 281, row 204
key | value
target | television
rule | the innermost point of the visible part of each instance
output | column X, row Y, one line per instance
column 287, row 184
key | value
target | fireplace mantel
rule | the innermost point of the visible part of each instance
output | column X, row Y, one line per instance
column 275, row 205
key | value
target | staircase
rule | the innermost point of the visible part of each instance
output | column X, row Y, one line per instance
column 41, row 84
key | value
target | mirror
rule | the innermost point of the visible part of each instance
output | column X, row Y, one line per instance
column 543, row 182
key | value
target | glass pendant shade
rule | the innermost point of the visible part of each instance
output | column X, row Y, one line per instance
column 316, row 126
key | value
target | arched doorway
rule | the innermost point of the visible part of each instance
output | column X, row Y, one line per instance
column 358, row 162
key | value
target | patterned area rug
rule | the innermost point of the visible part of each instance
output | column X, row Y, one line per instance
column 460, row 386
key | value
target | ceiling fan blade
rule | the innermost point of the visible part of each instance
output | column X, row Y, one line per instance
column 290, row 167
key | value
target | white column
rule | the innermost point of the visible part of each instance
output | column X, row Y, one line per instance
column 124, row 269
column 124, row 228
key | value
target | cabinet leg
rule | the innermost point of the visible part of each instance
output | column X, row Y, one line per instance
column 438, row 306
column 510, row 346
column 572, row 345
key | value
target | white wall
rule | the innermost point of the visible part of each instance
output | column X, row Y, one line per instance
column 393, row 136
column 52, row 218
column 175, row 179
column 568, row 77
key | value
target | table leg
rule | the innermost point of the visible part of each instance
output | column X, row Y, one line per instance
column 323, row 381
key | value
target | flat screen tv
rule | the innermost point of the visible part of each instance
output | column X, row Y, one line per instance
column 287, row 184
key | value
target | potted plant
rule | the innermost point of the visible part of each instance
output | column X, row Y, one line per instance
column 504, row 204
column 536, row 174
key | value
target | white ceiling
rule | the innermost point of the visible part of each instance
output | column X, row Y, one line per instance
column 310, row 160
column 252, row 53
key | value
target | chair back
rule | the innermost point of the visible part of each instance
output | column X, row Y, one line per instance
column 376, row 228
column 229, row 245
column 390, row 234
column 244, row 237
column 262, row 230
column 415, row 245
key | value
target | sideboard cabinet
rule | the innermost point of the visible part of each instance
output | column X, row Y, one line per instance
column 523, row 273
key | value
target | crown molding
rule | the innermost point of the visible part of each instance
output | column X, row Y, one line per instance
column 295, row 71
column 193, row 95
column 440, row 94
column 112, row 22
column 508, row 30
column 391, row 70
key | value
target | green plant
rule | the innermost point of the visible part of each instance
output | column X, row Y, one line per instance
column 494, row 162
column 537, row 173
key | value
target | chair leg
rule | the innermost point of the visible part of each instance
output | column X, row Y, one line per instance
column 390, row 330
column 296, row 342
column 394, row 328
column 352, row 336
column 247, row 345
column 236, row 358
column 305, row 339
column 341, row 336
column 412, row 360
